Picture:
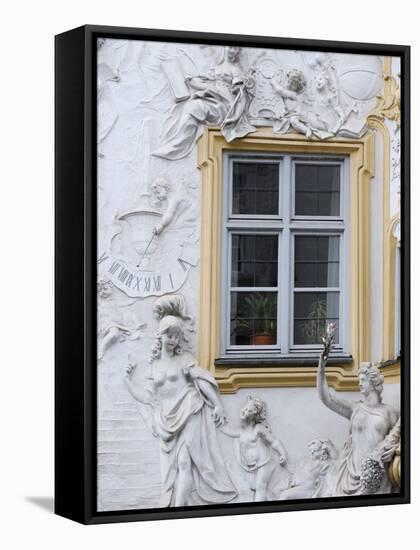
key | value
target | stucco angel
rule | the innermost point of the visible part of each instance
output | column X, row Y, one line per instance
column 173, row 204
column 259, row 452
column 298, row 115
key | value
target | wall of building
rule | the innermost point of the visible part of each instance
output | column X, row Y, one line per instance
column 137, row 89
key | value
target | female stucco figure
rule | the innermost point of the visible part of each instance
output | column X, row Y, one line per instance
column 185, row 412
column 219, row 98
column 360, row 467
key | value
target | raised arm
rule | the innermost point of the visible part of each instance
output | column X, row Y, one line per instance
column 288, row 94
column 141, row 395
column 341, row 406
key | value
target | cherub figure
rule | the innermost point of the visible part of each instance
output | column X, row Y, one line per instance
column 125, row 327
column 104, row 287
column 295, row 115
column 255, row 446
column 311, row 477
column 173, row 204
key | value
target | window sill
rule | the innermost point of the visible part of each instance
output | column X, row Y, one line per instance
column 276, row 361
column 268, row 371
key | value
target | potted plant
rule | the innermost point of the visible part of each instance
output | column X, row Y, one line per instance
column 313, row 325
column 264, row 309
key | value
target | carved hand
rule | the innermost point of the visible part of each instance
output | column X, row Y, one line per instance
column 327, row 340
column 158, row 229
column 218, row 416
column 388, row 453
column 131, row 367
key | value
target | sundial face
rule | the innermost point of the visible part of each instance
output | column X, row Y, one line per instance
column 142, row 263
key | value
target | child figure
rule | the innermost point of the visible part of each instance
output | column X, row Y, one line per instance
column 295, row 115
column 255, row 446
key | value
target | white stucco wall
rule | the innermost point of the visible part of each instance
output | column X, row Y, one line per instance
column 132, row 111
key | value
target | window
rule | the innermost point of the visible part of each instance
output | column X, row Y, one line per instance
column 284, row 253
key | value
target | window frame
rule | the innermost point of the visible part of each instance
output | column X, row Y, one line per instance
column 286, row 225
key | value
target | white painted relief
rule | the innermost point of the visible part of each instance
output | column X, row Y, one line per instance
column 395, row 191
column 114, row 325
column 153, row 246
column 360, row 467
column 315, row 99
column 166, row 437
column 259, row 452
column 219, row 98
column 312, row 477
column 107, row 112
column 185, row 413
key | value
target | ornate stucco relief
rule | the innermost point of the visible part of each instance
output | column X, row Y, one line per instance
column 184, row 411
column 317, row 95
column 158, row 98
column 153, row 247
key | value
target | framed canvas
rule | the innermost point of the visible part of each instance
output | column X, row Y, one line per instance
column 232, row 274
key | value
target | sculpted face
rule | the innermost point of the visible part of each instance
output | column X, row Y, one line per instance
column 293, row 82
column 364, row 384
column 171, row 339
column 315, row 449
column 320, row 82
column 251, row 411
column 159, row 191
column 232, row 53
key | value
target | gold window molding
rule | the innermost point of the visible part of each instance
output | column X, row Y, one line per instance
column 389, row 292
column 361, row 154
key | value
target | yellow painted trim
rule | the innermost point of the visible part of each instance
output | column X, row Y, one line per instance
column 231, row 379
column 394, row 469
column 361, row 152
column 389, row 102
column 389, row 245
column 389, row 294
column 392, row 372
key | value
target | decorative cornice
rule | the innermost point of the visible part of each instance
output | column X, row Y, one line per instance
column 389, row 102
column 340, row 377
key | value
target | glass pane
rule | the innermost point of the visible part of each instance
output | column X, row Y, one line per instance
column 312, row 312
column 253, row 319
column 317, row 261
column 317, row 190
column 254, row 260
column 255, row 188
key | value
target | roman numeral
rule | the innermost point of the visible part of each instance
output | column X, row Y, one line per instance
column 103, row 258
column 114, row 267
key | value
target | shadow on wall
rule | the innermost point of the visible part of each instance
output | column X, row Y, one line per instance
column 46, row 503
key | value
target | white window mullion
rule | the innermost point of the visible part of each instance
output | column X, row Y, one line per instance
column 284, row 259
column 286, row 225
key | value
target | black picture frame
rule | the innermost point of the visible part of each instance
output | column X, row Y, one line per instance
column 75, row 272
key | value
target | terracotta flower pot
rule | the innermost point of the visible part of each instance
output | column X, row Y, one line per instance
column 263, row 340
